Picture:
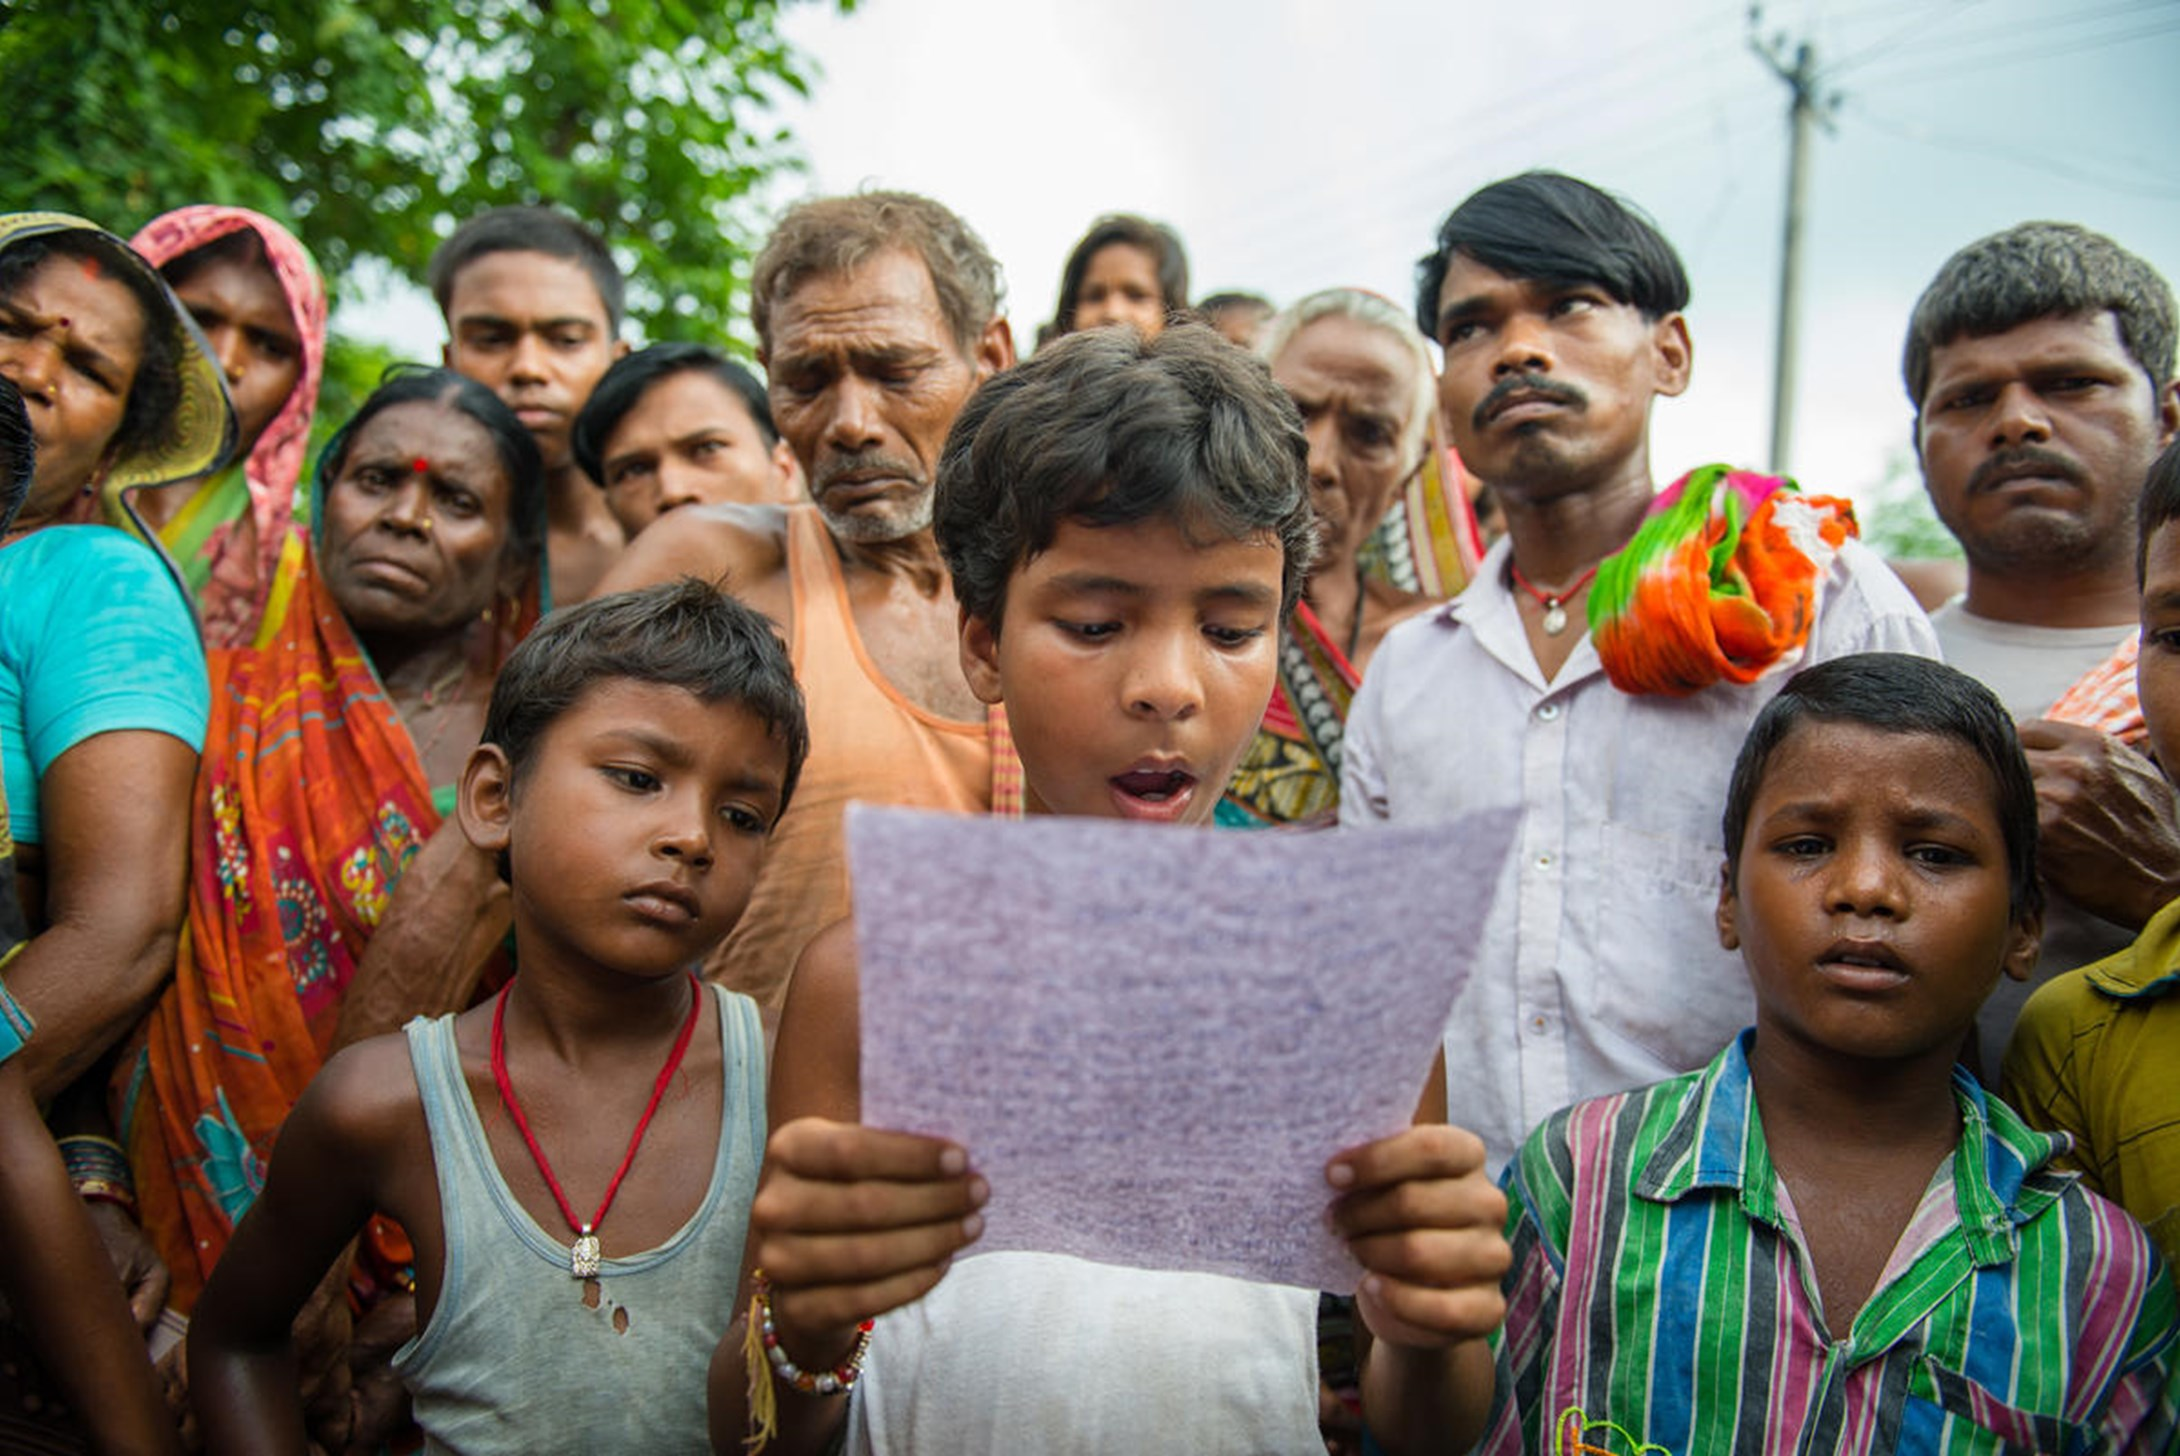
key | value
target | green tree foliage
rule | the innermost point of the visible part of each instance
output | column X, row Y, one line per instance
column 1896, row 518
column 373, row 126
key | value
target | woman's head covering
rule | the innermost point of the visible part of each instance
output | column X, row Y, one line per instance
column 275, row 464
column 200, row 432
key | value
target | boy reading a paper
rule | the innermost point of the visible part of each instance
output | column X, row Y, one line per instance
column 1125, row 521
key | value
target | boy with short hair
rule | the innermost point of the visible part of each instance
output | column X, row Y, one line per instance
column 1125, row 521
column 1831, row 1238
column 2097, row 1051
column 594, row 1131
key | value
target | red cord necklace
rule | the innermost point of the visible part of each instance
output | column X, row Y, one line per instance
column 1554, row 603
column 583, row 1256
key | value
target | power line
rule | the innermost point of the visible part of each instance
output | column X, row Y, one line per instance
column 1958, row 63
column 1912, row 131
column 1853, row 58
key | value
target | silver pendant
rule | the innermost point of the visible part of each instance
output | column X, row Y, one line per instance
column 1555, row 619
column 583, row 1255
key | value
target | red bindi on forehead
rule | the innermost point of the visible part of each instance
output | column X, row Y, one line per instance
column 420, row 466
column 93, row 269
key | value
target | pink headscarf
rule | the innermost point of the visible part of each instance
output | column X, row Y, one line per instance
column 245, row 554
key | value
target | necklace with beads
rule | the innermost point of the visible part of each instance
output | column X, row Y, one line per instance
column 1553, row 602
column 583, row 1254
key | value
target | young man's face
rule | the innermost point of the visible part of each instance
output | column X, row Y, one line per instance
column 1134, row 664
column 866, row 378
column 531, row 328
column 1871, row 901
column 689, row 440
column 2157, row 670
column 1547, row 386
column 2034, row 442
column 636, row 830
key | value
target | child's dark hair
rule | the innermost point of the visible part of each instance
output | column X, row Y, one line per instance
column 683, row 634
column 1106, row 428
column 1896, row 693
column 2160, row 504
column 1163, row 245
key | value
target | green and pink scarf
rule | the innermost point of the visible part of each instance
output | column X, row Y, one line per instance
column 1719, row 583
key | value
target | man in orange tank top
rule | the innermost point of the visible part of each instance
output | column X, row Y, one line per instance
column 877, row 317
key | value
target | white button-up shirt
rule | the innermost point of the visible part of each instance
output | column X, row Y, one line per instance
column 1599, row 968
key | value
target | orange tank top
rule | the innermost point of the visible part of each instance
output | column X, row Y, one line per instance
column 867, row 742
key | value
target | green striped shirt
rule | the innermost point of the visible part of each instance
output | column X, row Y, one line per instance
column 1662, row 1301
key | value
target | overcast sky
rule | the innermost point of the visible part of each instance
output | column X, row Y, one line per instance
column 1298, row 144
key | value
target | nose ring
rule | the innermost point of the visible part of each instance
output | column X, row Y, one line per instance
column 426, row 525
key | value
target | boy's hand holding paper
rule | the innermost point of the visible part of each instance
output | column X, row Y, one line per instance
column 1154, row 1044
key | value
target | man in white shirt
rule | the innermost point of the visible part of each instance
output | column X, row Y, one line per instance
column 2040, row 365
column 1559, row 309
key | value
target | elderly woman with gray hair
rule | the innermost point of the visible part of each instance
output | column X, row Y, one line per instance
column 1399, row 536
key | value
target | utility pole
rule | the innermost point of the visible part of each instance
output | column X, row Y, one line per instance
column 1805, row 109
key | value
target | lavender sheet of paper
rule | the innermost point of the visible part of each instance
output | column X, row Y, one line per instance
column 1151, row 1040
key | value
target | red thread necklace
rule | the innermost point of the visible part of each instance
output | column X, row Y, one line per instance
column 583, row 1255
column 1554, row 603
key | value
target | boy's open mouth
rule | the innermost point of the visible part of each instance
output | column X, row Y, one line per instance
column 1863, row 965
column 1156, row 794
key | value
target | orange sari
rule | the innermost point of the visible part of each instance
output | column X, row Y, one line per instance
column 310, row 802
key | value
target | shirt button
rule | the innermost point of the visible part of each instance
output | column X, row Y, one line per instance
column 1544, row 861
column 1548, row 712
column 1537, row 1024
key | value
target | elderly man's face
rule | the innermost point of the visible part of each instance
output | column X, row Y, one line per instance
column 866, row 379
column 1356, row 388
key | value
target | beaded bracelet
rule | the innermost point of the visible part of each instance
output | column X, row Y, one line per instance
column 763, row 1412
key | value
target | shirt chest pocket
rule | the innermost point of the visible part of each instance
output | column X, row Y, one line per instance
column 1659, row 978
column 1949, row 1413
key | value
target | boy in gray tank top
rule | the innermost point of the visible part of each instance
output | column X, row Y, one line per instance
column 594, row 1130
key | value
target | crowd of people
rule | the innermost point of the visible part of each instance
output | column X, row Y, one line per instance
column 428, row 997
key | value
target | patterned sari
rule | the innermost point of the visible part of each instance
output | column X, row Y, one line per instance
column 1428, row 544
column 310, row 803
column 227, row 541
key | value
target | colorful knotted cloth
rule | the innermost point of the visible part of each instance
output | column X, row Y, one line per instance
column 1719, row 583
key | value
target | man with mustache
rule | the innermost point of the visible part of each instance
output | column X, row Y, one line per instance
column 2040, row 365
column 532, row 300
column 877, row 317
column 1559, row 310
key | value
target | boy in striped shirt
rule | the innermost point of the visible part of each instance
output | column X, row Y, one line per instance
column 1831, row 1239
